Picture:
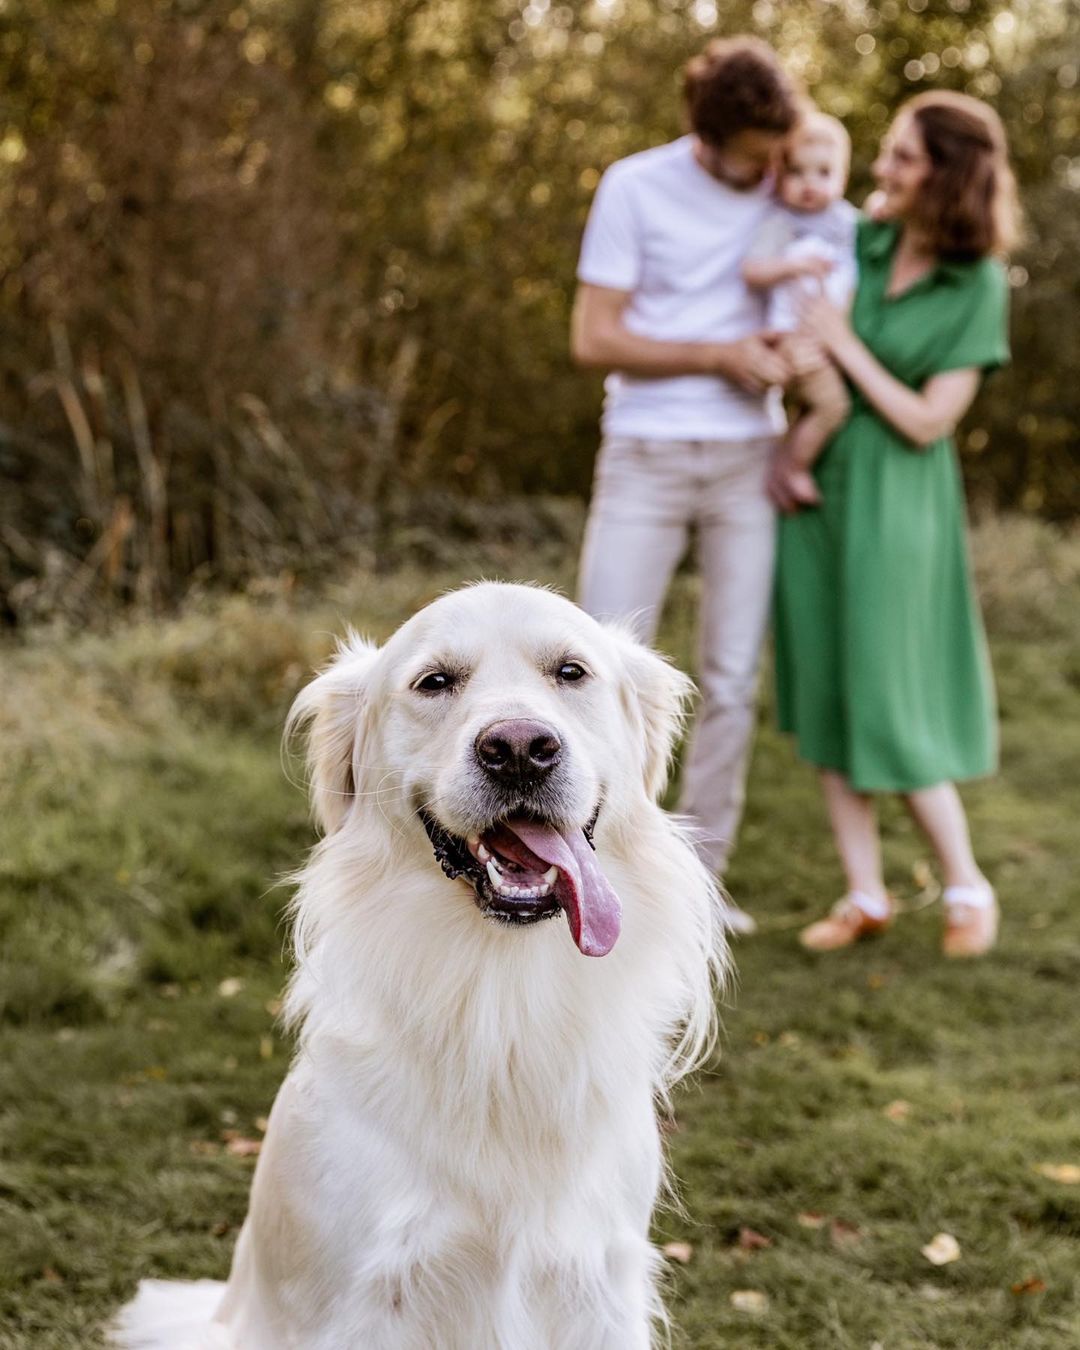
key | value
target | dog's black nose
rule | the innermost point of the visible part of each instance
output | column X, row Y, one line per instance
column 518, row 749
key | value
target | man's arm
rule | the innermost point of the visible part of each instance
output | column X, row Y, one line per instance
column 599, row 339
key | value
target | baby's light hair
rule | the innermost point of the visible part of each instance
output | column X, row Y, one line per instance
column 817, row 127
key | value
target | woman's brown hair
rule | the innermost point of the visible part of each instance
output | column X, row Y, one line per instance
column 738, row 84
column 967, row 206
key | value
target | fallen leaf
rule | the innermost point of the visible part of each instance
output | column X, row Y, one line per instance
column 812, row 1220
column 875, row 981
column 1032, row 1285
column 205, row 1148
column 51, row 1276
column 751, row 1241
column 221, row 1228
column 761, row 1038
column 1067, row 1173
column 789, row 1040
column 932, row 1293
column 749, row 1301
column 229, row 988
column 261, row 1124
column 942, row 1249
column 266, row 1047
column 678, row 1251
column 921, row 874
column 843, row 1233
column 898, row 1111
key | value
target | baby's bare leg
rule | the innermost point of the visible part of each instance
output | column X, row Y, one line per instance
column 825, row 407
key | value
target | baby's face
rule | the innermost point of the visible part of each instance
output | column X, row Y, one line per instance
column 813, row 176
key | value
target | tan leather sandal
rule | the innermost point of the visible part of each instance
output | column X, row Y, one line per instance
column 737, row 921
column 855, row 916
column 971, row 920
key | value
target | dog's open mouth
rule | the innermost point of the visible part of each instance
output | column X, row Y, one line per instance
column 525, row 870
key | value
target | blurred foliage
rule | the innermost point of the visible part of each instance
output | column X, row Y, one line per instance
column 271, row 269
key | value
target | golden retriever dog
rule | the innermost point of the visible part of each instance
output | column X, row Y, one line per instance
column 505, row 956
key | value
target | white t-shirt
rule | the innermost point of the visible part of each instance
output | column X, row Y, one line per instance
column 664, row 228
column 828, row 234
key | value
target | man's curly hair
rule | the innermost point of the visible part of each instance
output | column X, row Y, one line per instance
column 737, row 84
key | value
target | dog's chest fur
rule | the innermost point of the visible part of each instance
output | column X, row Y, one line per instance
column 480, row 1120
column 465, row 1155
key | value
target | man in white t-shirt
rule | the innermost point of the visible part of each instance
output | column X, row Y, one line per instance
column 692, row 409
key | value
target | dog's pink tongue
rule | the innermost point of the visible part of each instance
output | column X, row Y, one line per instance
column 591, row 905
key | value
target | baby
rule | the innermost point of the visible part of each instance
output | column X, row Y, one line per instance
column 808, row 246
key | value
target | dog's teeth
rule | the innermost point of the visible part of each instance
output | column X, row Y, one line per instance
column 495, row 875
column 551, row 876
column 482, row 853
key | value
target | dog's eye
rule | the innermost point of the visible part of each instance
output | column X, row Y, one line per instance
column 570, row 671
column 438, row 682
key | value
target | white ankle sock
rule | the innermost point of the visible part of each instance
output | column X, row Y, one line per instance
column 975, row 897
column 873, row 906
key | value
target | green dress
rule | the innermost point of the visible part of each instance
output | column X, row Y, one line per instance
column 882, row 669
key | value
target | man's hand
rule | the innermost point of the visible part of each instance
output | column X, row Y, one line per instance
column 601, row 340
column 753, row 363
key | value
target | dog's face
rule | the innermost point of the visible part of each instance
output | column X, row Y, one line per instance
column 501, row 722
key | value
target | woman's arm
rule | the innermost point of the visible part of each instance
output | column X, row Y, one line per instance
column 923, row 415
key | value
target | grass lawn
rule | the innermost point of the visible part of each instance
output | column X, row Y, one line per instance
column 859, row 1105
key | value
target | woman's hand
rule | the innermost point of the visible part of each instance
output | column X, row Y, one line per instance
column 875, row 205
column 804, row 352
column 828, row 324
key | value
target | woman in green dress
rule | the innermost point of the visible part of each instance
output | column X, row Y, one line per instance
column 882, row 671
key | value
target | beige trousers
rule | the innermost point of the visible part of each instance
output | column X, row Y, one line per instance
column 647, row 496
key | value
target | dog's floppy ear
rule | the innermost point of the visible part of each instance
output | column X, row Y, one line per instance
column 659, row 693
column 330, row 710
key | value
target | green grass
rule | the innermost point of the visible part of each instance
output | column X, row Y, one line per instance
column 145, row 817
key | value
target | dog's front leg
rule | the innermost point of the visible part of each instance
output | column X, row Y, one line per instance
column 613, row 1305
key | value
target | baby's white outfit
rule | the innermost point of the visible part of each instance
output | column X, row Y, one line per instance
column 828, row 234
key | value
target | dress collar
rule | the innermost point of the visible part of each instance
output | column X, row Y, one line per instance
column 882, row 243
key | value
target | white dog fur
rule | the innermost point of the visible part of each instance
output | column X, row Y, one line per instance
column 465, row 1154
